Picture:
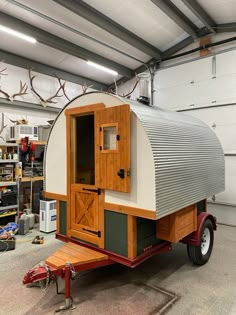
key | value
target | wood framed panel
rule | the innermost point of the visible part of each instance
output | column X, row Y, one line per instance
column 176, row 226
column 113, row 166
column 84, row 212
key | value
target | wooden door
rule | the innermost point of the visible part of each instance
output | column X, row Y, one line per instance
column 112, row 141
column 85, row 201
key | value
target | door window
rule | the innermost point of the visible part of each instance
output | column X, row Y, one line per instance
column 109, row 138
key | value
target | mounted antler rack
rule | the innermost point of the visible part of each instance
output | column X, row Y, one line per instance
column 129, row 93
column 2, row 70
column 85, row 87
column 63, row 87
column 50, row 100
column 22, row 91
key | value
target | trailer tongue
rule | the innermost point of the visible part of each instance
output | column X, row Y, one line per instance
column 64, row 263
column 71, row 258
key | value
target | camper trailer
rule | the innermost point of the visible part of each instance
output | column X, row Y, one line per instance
column 129, row 180
column 127, row 176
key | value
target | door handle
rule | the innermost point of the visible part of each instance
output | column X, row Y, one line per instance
column 121, row 173
column 98, row 191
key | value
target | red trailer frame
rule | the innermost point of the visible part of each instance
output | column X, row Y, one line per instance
column 66, row 272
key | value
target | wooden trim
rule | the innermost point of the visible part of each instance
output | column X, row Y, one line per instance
column 85, row 237
column 73, row 150
column 68, row 170
column 138, row 212
column 58, row 215
column 132, row 237
column 84, row 109
column 55, row 196
column 32, row 178
column 101, row 219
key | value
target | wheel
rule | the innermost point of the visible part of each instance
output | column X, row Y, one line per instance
column 199, row 255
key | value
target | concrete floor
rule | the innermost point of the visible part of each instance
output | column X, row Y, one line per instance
column 210, row 289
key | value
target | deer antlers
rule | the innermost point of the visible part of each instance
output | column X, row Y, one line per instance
column 22, row 91
column 2, row 71
column 129, row 93
column 49, row 100
column 63, row 87
column 85, row 87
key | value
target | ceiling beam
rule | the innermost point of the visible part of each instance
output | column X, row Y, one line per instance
column 25, row 63
column 227, row 27
column 17, row 105
column 58, row 43
column 92, row 15
column 174, row 49
column 201, row 14
column 165, row 54
column 177, row 16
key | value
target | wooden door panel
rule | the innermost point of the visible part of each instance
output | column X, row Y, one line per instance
column 110, row 160
column 84, row 210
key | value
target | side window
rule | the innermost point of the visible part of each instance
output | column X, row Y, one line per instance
column 109, row 138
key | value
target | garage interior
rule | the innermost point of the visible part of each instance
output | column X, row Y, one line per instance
column 177, row 55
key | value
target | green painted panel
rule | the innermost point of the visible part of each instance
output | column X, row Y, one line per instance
column 201, row 206
column 116, row 232
column 146, row 234
column 145, row 228
column 62, row 223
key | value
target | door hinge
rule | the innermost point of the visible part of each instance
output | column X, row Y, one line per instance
column 118, row 137
column 100, row 129
column 98, row 233
column 98, row 191
column 100, row 147
column 128, row 172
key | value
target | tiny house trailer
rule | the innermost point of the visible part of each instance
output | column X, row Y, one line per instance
column 129, row 180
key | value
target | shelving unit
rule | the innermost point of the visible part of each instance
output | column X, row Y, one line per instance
column 8, row 214
column 19, row 184
column 9, row 195
column 29, row 184
column 33, row 178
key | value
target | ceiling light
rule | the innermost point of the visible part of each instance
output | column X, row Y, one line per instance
column 17, row 34
column 102, row 68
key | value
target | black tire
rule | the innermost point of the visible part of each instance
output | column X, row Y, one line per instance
column 199, row 255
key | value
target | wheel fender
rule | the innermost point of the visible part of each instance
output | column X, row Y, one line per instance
column 194, row 238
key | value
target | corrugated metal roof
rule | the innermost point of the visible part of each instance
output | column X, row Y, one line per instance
column 188, row 158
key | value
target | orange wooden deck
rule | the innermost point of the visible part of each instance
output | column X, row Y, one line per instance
column 74, row 254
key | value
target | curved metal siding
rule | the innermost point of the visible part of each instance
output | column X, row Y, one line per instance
column 188, row 158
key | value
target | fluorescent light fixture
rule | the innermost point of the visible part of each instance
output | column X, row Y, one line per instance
column 93, row 64
column 17, row 34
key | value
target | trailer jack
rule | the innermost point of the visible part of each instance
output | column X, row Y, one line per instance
column 46, row 273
